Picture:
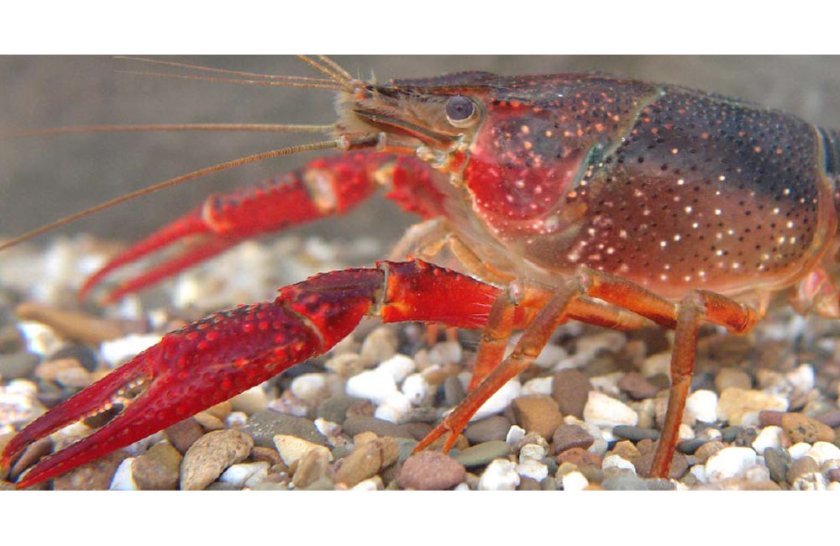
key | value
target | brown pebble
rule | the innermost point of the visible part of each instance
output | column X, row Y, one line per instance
column 528, row 484
column 31, row 455
column 537, row 413
column 626, row 450
column 461, row 443
column 570, row 388
column 732, row 377
column 72, row 324
column 266, row 454
column 75, row 377
column 93, row 476
column 211, row 454
column 637, row 386
column 491, row 428
column 801, row 428
column 767, row 418
column 208, row 421
column 834, row 475
column 708, row 449
column 183, row 434
column 158, row 469
column 800, row 467
column 431, row 470
column 830, row 418
column 312, row 467
column 221, row 410
column 364, row 462
column 579, row 457
column 568, row 436
column 679, row 464
column 48, row 371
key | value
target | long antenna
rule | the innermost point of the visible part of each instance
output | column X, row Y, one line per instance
column 170, row 127
column 323, row 145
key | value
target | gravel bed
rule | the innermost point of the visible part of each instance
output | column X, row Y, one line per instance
column 763, row 413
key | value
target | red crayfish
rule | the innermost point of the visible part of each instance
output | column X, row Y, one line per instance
column 615, row 202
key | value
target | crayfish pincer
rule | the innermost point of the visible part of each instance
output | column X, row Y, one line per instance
column 558, row 197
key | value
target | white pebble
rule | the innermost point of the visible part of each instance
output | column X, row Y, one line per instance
column 514, row 434
column 292, row 448
column 240, row 474
column 538, row 385
column 123, row 479
column 395, row 406
column 372, row 385
column 550, row 356
column 370, row 484
column 40, row 339
column 617, row 461
column 445, row 353
column 685, row 432
column 802, row 378
column 730, row 462
column 574, row 481
column 463, row 486
column 602, row 410
column 416, row 389
column 398, row 367
column 500, row 475
column 532, row 469
column 117, row 351
column 823, row 452
column 812, row 481
column 659, row 363
column 770, row 436
column 327, row 428
column 758, row 473
column 699, row 472
column 236, row 419
column 310, row 387
column 531, row 451
column 500, row 400
column 703, row 405
column 797, row 451
column 607, row 384
column 250, row 401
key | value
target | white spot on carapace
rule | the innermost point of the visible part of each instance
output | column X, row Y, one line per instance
column 677, row 237
column 681, row 182
column 663, row 244
column 622, row 234
column 718, row 212
column 688, row 209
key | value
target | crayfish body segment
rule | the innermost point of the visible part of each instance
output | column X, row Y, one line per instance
column 606, row 200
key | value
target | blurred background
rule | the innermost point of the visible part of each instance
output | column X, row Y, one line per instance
column 42, row 179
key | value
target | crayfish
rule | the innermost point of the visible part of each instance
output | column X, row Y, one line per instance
column 614, row 202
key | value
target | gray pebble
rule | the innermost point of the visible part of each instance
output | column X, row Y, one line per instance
column 777, row 461
column 10, row 339
column 690, row 446
column 264, row 425
column 483, row 454
column 487, row 430
column 729, row 434
column 831, row 418
column 355, row 424
column 335, row 408
column 406, row 448
column 745, row 437
column 569, row 436
column 453, row 391
column 84, row 355
column 17, row 365
column 631, row 482
column 635, row 434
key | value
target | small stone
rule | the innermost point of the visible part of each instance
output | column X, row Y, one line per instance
column 801, row 466
column 183, row 434
column 208, row 457
column 689, row 447
column 538, row 385
column 801, row 428
column 123, row 479
column 482, row 454
column 209, row 421
column 702, row 404
column 799, row 450
column 312, row 467
column 532, row 469
column 570, row 388
column 802, row 378
column 770, row 417
column 741, row 407
column 768, row 437
column 626, row 450
column 158, row 468
column 335, row 408
column 93, row 476
column 823, row 452
column 446, row 353
column 679, row 464
column 778, row 461
column 48, row 370
column 730, row 462
column 394, row 408
column 537, row 413
column 500, row 400
column 245, row 474
column 346, row 364
column 635, row 385
column 431, row 470
column 834, row 475
column 31, row 455
column 491, row 428
column 568, row 436
column 292, row 448
column 707, row 450
column 579, row 457
column 363, row 463
column 84, row 355
column 625, row 482
column 71, row 324
column 500, row 475
column 602, row 410
column 355, row 424
column 830, row 418
column 416, row 389
column 811, row 481
column 251, row 401
column 574, row 481
column 398, row 367
column 264, row 425
column 381, row 344
column 635, row 434
column 614, row 461
column 453, row 391
column 371, row 385
column 17, row 365
column 732, row 378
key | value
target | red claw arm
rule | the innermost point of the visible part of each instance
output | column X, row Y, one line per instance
column 220, row 356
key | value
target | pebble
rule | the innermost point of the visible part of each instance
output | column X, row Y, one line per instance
column 245, row 474
column 482, row 454
column 500, row 475
column 729, row 462
column 118, row 351
column 637, row 386
column 84, row 355
column 769, row 417
column 366, row 460
column 834, row 475
column 335, row 408
column 769, row 437
column 630, row 482
column 635, row 434
column 264, row 425
column 800, row 467
column 532, row 469
column 158, row 468
column 689, row 447
column 123, row 479
column 491, row 428
column 292, row 448
column 538, row 385
column 801, row 428
column 778, row 461
column 381, row 344
column 657, row 364
column 373, row 385
column 93, row 476
column 446, row 353
column 75, row 377
column 569, row 436
column 183, row 434
column 823, row 452
column 453, row 391
column 802, row 378
column 17, row 365
column 602, row 410
column 799, row 450
column 355, row 424
column 211, row 454
column 702, row 404
column 416, row 389
column 312, row 467
column 500, row 400
column 614, row 461
column 830, row 418
column 394, row 408
column 732, row 377
column 570, row 388
column 431, row 470
column 574, row 481
column 251, row 401
column 71, row 324
column 579, row 457
column 741, row 407
column 537, row 413
column 346, row 364
column 398, row 367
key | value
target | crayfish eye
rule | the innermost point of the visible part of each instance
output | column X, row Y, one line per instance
column 461, row 111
